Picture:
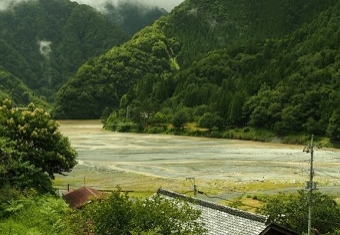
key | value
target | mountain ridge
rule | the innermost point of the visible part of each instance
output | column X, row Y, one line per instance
column 45, row 41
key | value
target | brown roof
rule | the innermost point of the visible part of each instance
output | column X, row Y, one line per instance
column 81, row 196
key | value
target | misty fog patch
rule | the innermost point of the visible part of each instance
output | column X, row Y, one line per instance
column 45, row 48
column 8, row 4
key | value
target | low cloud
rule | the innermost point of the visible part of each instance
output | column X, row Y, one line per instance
column 45, row 48
column 4, row 4
column 166, row 4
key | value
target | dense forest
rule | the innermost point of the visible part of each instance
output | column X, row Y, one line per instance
column 220, row 64
column 44, row 42
column 271, row 64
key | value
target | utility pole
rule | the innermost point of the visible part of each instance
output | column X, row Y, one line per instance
column 310, row 186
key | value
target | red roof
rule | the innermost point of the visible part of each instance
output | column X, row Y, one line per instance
column 81, row 196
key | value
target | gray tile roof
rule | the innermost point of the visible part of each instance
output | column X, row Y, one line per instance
column 224, row 220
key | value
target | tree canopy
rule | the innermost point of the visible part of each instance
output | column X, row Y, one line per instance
column 32, row 148
column 291, row 211
column 118, row 214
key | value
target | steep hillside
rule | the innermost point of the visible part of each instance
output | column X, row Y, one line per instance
column 44, row 42
column 176, row 69
column 202, row 25
column 100, row 83
column 52, row 39
column 288, row 84
column 13, row 88
column 132, row 16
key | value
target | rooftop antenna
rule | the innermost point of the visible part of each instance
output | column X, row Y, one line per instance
column 192, row 180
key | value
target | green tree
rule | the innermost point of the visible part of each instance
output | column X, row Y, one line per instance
column 257, row 107
column 235, row 117
column 109, row 216
column 159, row 118
column 36, row 140
column 166, row 216
column 118, row 214
column 291, row 211
column 180, row 119
column 20, row 174
column 210, row 121
column 333, row 128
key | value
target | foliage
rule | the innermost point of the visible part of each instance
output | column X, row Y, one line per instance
column 10, row 194
column 267, row 81
column 333, row 128
column 217, row 24
column 18, row 173
column 64, row 36
column 108, row 77
column 33, row 149
column 291, row 211
column 115, row 122
column 12, row 87
column 34, row 215
column 210, row 121
column 159, row 118
column 180, row 119
column 132, row 16
column 156, row 215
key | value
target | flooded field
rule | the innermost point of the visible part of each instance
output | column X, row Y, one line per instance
column 140, row 161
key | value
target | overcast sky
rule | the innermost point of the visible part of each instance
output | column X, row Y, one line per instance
column 166, row 4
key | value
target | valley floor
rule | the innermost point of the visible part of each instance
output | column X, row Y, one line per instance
column 145, row 162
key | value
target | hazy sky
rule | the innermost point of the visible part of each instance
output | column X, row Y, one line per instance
column 166, row 4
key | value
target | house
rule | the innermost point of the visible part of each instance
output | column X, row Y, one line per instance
column 77, row 198
column 224, row 220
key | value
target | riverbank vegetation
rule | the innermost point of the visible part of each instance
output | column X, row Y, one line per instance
column 196, row 129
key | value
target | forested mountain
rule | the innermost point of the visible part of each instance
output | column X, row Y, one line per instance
column 271, row 64
column 11, row 86
column 43, row 42
column 132, row 16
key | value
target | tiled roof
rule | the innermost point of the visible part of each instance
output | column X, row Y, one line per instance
column 79, row 197
column 224, row 220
